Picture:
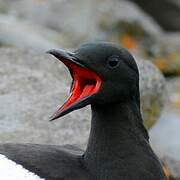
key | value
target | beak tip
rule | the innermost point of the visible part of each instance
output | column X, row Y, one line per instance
column 59, row 54
column 55, row 116
column 51, row 51
column 52, row 118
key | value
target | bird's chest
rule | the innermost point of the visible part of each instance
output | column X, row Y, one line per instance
column 108, row 170
column 120, row 171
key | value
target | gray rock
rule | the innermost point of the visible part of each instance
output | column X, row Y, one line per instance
column 31, row 87
column 79, row 20
column 165, row 134
column 23, row 34
column 153, row 91
column 169, row 16
column 166, row 53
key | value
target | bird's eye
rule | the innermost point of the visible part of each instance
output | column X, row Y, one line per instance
column 113, row 62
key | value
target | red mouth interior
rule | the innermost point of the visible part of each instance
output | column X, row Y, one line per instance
column 85, row 83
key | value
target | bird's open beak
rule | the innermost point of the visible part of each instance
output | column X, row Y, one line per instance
column 86, row 83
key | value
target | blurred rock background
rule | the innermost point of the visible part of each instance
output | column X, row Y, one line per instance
column 32, row 84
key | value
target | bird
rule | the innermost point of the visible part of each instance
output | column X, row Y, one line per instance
column 106, row 77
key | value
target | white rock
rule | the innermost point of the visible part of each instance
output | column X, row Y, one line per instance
column 9, row 170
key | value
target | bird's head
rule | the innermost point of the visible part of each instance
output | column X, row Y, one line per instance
column 102, row 73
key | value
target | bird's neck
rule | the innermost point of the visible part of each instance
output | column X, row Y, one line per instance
column 115, row 130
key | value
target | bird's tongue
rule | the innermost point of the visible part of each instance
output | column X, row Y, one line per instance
column 88, row 89
column 85, row 84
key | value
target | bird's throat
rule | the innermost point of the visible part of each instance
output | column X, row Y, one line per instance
column 115, row 131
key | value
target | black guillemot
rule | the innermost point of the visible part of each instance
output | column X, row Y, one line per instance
column 105, row 76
